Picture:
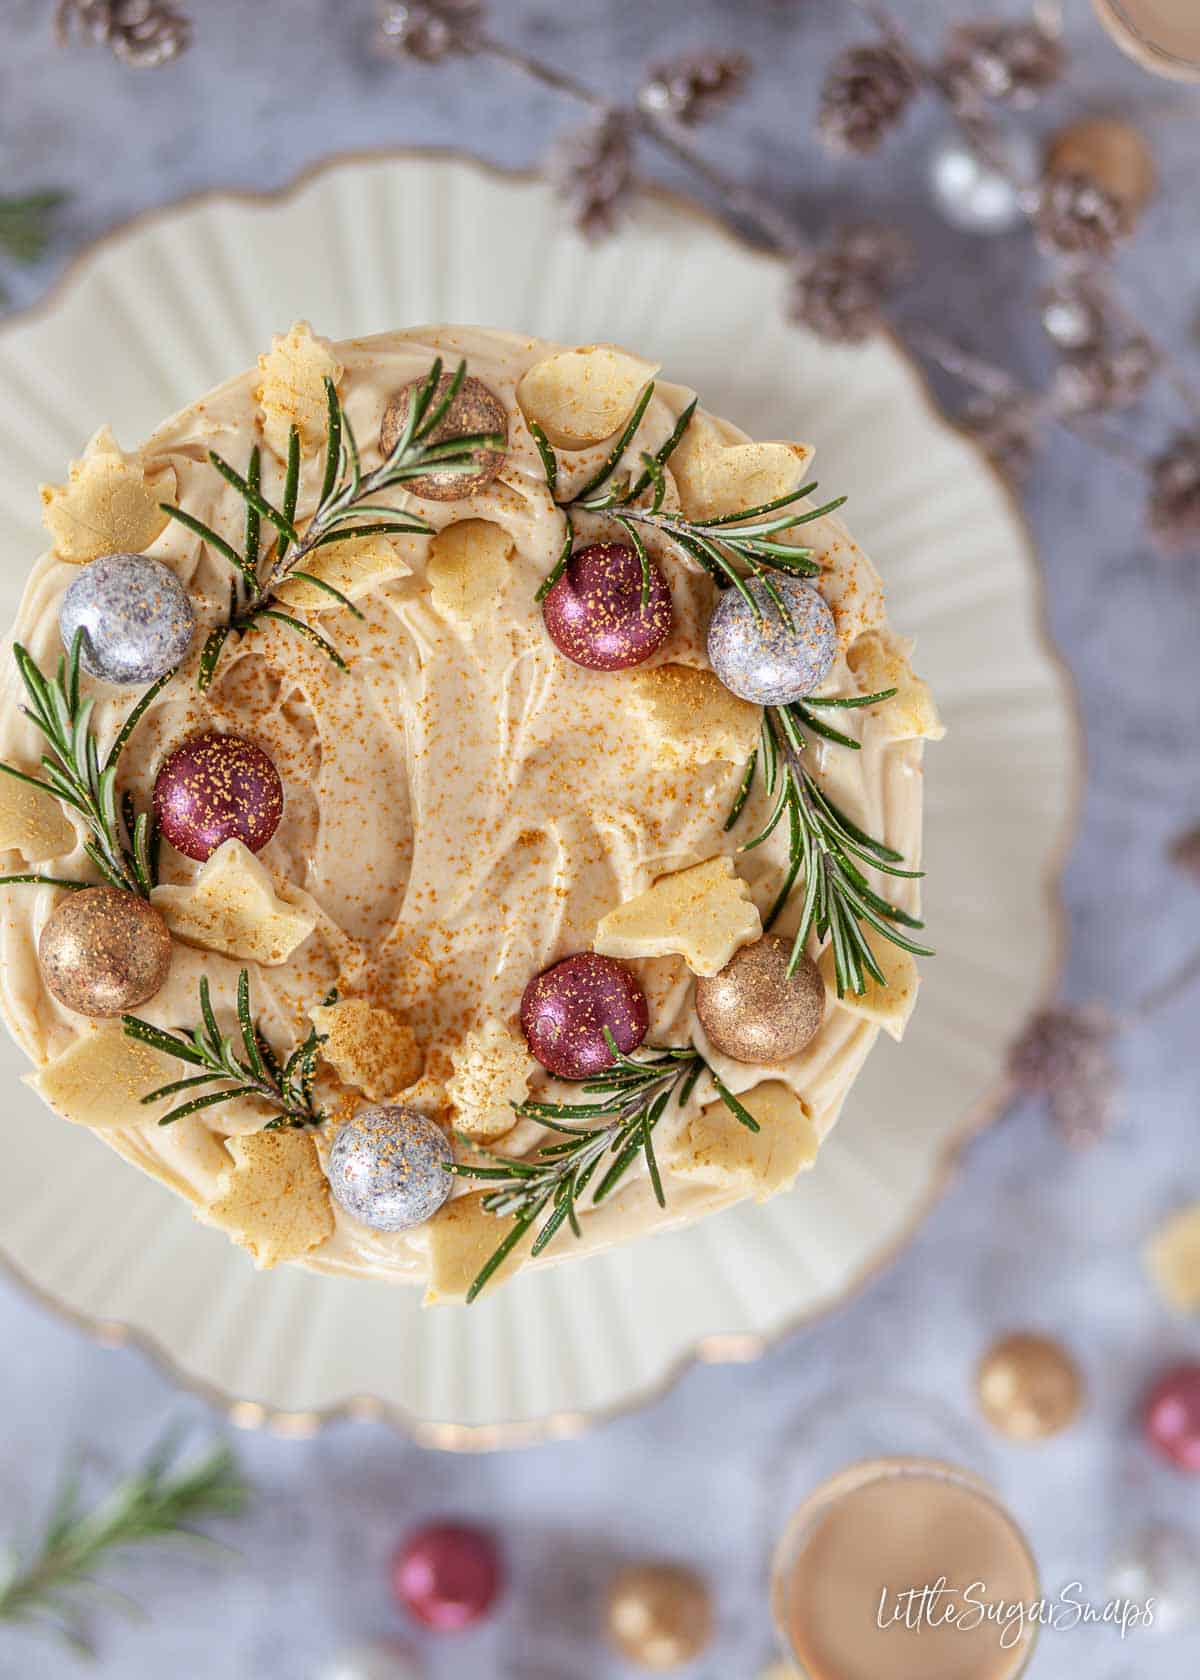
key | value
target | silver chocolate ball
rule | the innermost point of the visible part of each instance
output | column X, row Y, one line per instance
column 974, row 195
column 762, row 658
column 135, row 615
column 388, row 1165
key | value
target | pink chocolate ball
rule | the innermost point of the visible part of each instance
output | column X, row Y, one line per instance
column 594, row 613
column 565, row 1010
column 1171, row 1418
column 215, row 788
column 447, row 1576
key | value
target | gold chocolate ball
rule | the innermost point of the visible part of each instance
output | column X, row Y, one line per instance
column 104, row 951
column 753, row 1012
column 1111, row 154
column 659, row 1615
column 1028, row 1386
column 474, row 410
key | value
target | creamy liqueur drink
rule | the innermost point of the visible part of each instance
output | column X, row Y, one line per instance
column 851, row 1573
column 1163, row 35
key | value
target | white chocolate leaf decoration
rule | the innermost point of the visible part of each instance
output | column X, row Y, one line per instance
column 469, row 565
column 492, row 1070
column 887, row 1006
column 109, row 504
column 232, row 906
column 368, row 1047
column 462, row 1238
column 702, row 914
column 692, row 718
column 32, row 823
column 715, row 477
column 880, row 660
column 273, row 1197
column 583, row 396
column 1173, row 1260
column 353, row 567
column 714, row 1147
column 292, row 392
column 100, row 1080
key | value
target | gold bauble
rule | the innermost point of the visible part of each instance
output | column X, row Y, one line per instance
column 104, row 951
column 753, row 1012
column 1111, row 154
column 1028, row 1386
column 659, row 1615
column 474, row 411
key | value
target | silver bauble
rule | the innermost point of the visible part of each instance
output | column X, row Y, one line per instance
column 974, row 195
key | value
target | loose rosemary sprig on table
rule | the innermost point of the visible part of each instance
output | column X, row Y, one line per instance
column 123, row 845
column 287, row 1086
column 632, row 1097
column 56, row 1586
column 728, row 547
column 343, row 510
column 826, row 846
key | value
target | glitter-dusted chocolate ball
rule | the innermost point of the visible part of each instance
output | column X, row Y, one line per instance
column 594, row 613
column 135, row 615
column 1028, row 1386
column 447, row 1575
column 565, row 1010
column 1171, row 1416
column 215, row 788
column 660, row 1615
column 762, row 658
column 753, row 1011
column 104, row 951
column 475, row 412
column 387, row 1167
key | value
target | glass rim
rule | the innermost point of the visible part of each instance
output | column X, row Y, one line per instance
column 1131, row 37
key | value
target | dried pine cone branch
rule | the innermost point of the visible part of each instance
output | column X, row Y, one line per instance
column 1185, row 853
column 1173, row 509
column 839, row 289
column 592, row 169
column 1014, row 62
column 696, row 86
column 142, row 33
column 1103, row 379
column 1007, row 429
column 867, row 91
column 430, row 30
column 1066, row 1055
column 1078, row 218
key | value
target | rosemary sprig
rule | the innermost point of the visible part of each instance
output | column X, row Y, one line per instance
column 631, row 1098
column 123, row 845
column 55, row 1586
column 287, row 1086
column 826, row 847
column 728, row 547
column 26, row 224
column 344, row 509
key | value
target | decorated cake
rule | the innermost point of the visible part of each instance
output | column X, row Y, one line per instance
column 461, row 807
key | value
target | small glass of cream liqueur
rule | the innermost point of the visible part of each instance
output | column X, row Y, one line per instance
column 1162, row 35
column 879, row 1574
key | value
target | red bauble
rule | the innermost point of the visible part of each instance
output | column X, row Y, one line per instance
column 594, row 613
column 565, row 1010
column 1171, row 1418
column 215, row 788
column 447, row 1576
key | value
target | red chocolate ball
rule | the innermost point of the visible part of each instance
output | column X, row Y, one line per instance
column 594, row 613
column 565, row 1010
column 216, row 788
column 447, row 1576
column 1171, row 1418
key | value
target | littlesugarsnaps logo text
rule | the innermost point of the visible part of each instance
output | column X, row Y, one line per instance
column 966, row 1609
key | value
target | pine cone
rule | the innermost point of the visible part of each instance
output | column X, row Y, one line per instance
column 592, row 169
column 839, row 289
column 430, row 30
column 1173, row 510
column 142, row 33
column 1185, row 853
column 694, row 87
column 1104, row 379
column 1006, row 429
column 1066, row 1055
column 1078, row 218
column 866, row 93
column 1014, row 62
